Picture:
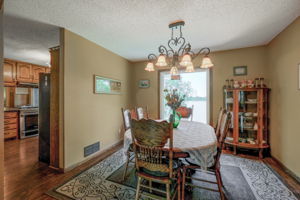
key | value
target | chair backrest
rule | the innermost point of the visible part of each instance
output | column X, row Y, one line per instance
column 127, row 115
column 218, row 125
column 224, row 127
column 186, row 112
column 142, row 113
column 149, row 140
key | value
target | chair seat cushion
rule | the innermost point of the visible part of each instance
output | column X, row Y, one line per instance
column 176, row 165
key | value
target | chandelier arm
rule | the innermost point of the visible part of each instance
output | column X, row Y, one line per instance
column 205, row 51
column 170, row 53
column 169, row 56
column 152, row 57
column 185, row 49
column 163, row 50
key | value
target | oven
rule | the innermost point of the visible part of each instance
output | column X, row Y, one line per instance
column 29, row 123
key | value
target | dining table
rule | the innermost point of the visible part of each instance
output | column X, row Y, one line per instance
column 195, row 138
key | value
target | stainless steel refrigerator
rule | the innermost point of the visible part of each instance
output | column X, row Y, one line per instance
column 44, row 118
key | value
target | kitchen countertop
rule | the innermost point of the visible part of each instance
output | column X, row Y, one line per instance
column 11, row 109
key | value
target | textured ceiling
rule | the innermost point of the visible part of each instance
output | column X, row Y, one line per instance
column 134, row 28
column 29, row 41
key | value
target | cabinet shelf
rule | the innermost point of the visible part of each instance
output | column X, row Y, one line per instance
column 246, row 145
column 248, row 129
column 253, row 103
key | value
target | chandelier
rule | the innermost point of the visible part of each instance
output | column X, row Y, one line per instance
column 179, row 53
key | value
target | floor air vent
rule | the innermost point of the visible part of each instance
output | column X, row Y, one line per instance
column 88, row 150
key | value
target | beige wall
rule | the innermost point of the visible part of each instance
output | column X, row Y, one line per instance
column 224, row 61
column 277, row 62
column 283, row 59
column 90, row 117
column 1, row 106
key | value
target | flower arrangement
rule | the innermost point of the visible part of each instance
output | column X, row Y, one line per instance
column 174, row 100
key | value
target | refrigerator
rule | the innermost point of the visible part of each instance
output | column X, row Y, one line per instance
column 44, row 118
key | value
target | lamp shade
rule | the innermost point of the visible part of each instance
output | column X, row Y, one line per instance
column 190, row 68
column 174, row 71
column 150, row 67
column 186, row 60
column 206, row 62
column 161, row 61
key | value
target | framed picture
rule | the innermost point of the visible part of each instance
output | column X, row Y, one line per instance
column 299, row 76
column 144, row 83
column 104, row 85
column 240, row 71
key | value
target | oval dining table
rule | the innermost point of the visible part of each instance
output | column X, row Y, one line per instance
column 195, row 138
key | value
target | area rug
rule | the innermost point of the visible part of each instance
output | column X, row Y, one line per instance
column 243, row 179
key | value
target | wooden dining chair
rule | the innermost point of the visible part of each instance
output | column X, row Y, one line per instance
column 142, row 113
column 127, row 115
column 186, row 112
column 219, row 122
column 126, row 119
column 154, row 162
column 215, row 169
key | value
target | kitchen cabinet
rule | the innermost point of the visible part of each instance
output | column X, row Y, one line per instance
column 20, row 72
column 48, row 69
column 24, row 72
column 36, row 70
column 11, row 124
column 9, row 73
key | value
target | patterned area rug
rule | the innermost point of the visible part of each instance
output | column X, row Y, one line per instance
column 243, row 179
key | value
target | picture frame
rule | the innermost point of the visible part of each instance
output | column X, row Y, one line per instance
column 103, row 85
column 144, row 83
column 240, row 71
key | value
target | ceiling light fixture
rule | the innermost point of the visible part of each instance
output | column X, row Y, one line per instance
column 178, row 54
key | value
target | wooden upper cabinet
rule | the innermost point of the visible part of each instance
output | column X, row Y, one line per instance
column 9, row 70
column 21, row 72
column 36, row 70
column 48, row 69
column 24, row 72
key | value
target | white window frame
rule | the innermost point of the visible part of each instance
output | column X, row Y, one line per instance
column 208, row 92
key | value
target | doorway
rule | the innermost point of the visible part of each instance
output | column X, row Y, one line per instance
column 26, row 113
column 196, row 88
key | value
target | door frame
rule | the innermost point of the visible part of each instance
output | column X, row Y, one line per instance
column 208, row 88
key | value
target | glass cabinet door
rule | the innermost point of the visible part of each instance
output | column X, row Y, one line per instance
column 229, row 106
column 248, row 117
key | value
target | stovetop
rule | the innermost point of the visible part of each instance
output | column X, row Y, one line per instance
column 27, row 107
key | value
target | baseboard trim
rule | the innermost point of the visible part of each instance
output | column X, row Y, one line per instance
column 57, row 169
column 287, row 170
column 101, row 155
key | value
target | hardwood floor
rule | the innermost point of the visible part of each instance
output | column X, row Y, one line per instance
column 27, row 179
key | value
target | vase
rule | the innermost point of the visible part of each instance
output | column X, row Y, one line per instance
column 175, row 118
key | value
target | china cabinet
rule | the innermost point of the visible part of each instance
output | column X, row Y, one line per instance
column 249, row 124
